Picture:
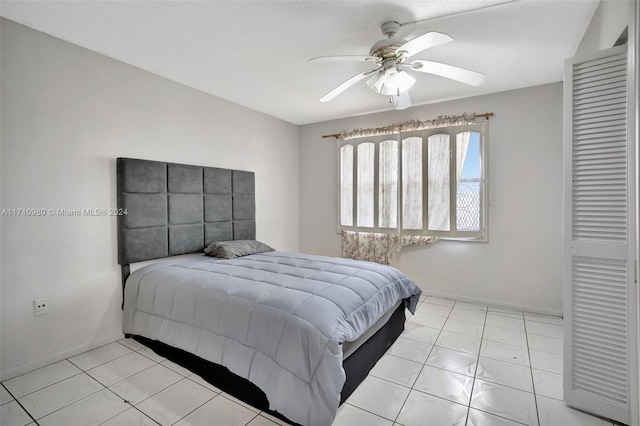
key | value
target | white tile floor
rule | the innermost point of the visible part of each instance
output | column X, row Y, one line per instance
column 456, row 363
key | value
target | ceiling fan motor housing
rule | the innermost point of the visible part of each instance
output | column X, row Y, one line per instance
column 386, row 48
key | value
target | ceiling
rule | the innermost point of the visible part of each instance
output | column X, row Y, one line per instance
column 255, row 53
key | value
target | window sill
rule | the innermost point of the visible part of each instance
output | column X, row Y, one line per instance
column 465, row 240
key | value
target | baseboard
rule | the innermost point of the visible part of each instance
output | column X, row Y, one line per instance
column 59, row 356
column 491, row 302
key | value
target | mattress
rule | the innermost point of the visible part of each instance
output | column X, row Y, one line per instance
column 348, row 348
column 277, row 319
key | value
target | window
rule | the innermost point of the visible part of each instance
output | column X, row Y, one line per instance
column 427, row 182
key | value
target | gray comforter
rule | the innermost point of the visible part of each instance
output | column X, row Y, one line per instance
column 276, row 319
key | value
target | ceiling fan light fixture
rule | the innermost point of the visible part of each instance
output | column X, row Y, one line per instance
column 387, row 83
column 401, row 82
column 376, row 82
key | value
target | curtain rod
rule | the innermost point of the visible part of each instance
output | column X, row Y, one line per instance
column 486, row 115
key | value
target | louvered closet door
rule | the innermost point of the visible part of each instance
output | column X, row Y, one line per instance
column 599, row 289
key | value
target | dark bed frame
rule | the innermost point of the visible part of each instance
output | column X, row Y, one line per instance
column 175, row 209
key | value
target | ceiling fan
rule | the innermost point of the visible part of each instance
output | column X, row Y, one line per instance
column 390, row 56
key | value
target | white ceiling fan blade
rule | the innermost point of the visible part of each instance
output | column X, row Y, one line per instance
column 462, row 75
column 401, row 101
column 343, row 58
column 344, row 86
column 425, row 41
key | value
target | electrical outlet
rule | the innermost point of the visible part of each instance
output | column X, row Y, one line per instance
column 40, row 307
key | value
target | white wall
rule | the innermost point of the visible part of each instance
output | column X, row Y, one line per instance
column 607, row 24
column 520, row 266
column 67, row 113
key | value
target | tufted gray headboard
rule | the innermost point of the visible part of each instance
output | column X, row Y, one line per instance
column 176, row 209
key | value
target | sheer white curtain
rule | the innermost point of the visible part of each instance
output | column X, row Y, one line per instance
column 439, row 177
column 388, row 184
column 366, row 167
column 438, row 182
column 412, row 183
column 346, row 185
column 462, row 141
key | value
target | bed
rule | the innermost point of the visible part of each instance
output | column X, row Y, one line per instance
column 290, row 333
